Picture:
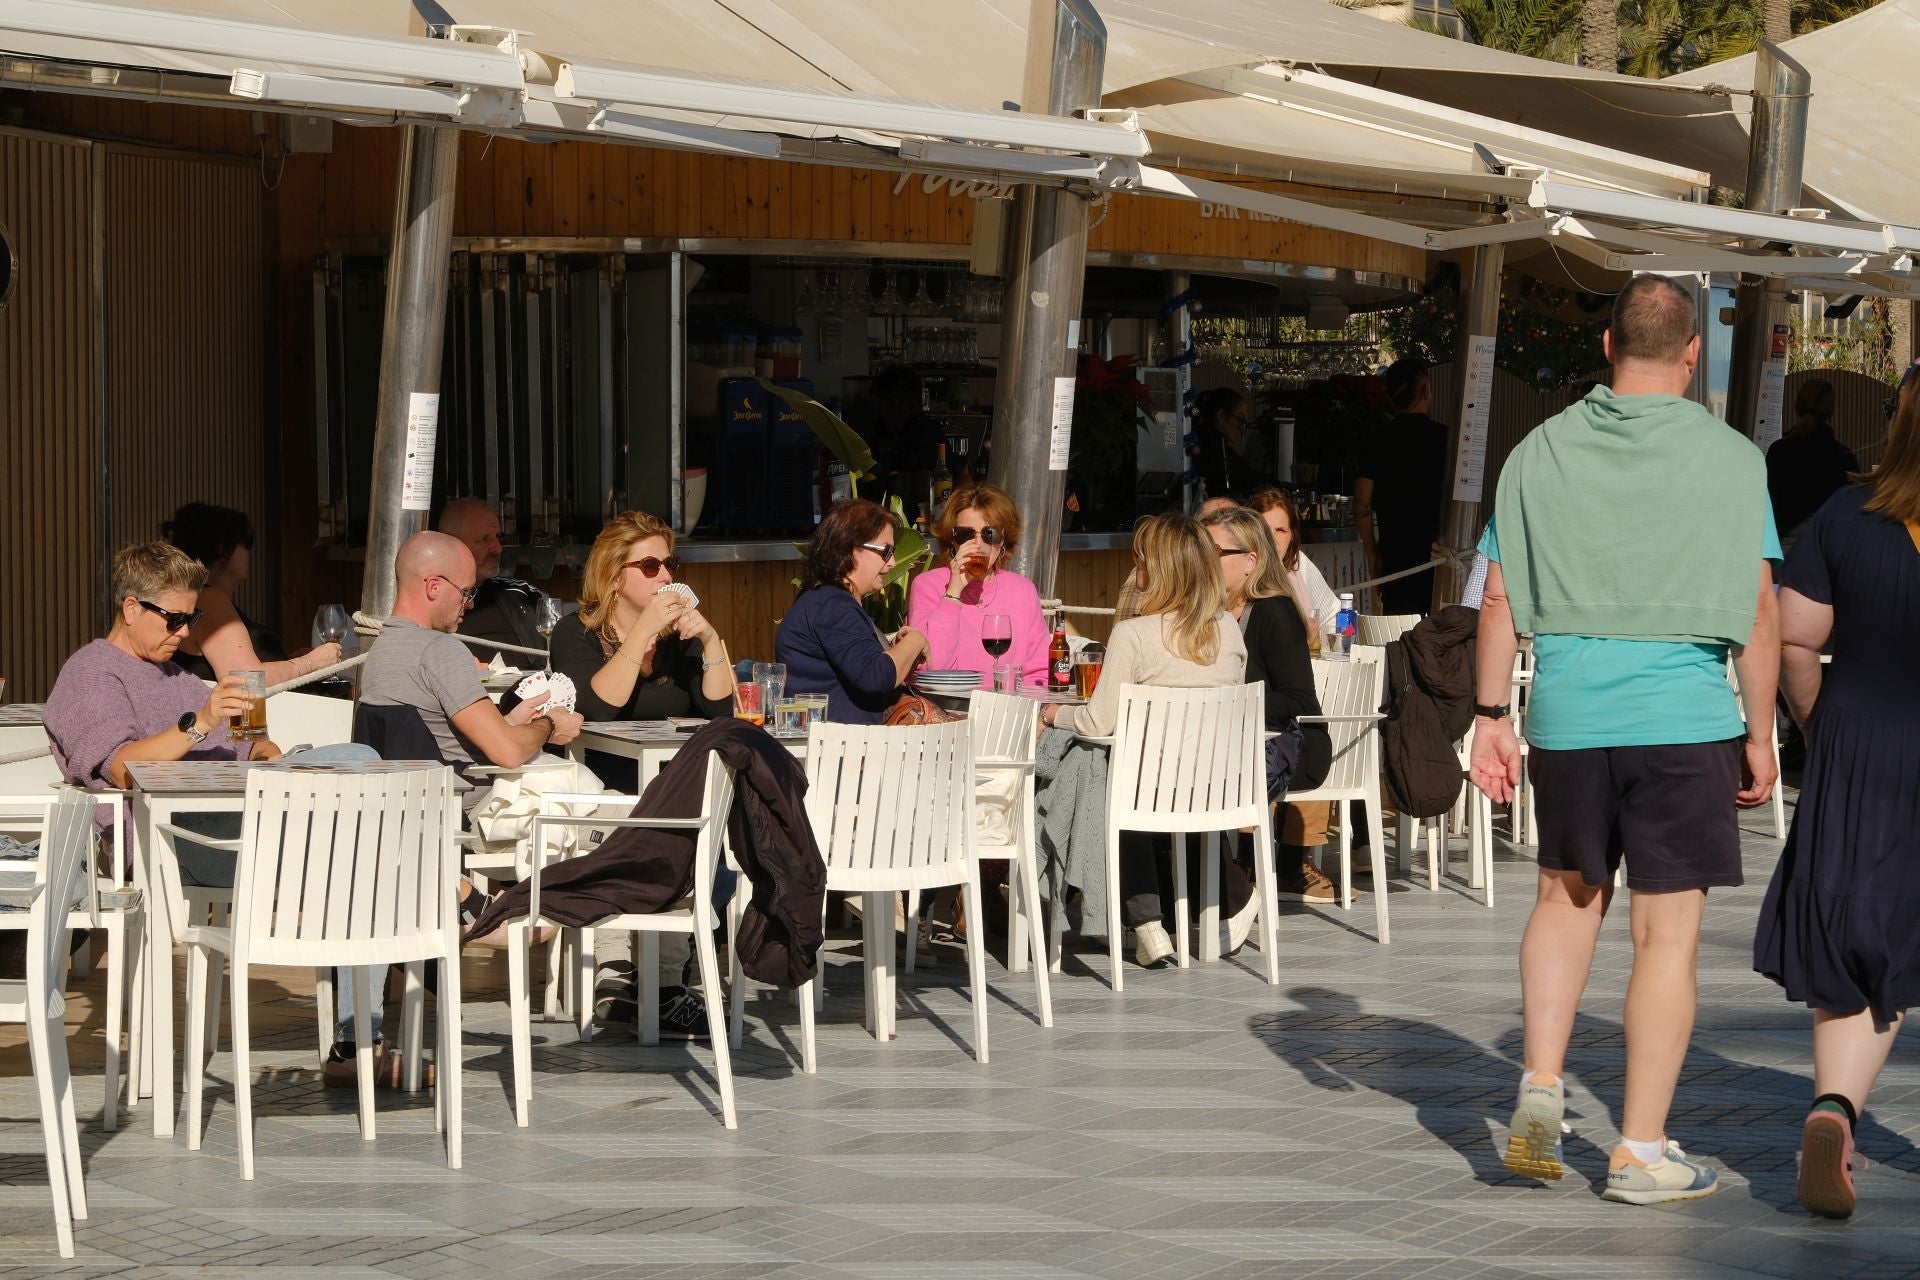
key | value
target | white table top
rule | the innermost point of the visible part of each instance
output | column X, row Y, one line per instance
column 18, row 715
column 229, row 777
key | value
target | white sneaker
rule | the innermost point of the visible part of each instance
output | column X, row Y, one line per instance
column 1674, row 1176
column 1533, row 1135
column 1152, row 948
column 1238, row 927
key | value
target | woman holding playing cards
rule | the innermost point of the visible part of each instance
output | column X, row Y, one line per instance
column 639, row 648
column 972, row 599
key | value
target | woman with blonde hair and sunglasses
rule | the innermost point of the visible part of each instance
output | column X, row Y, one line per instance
column 633, row 651
column 1183, row 639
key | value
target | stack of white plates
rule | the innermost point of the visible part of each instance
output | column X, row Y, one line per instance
column 947, row 682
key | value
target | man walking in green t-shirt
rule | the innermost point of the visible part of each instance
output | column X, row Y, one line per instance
column 1633, row 538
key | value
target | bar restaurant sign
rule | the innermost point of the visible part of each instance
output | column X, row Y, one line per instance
column 1234, row 213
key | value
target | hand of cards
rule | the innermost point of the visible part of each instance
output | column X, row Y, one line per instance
column 557, row 685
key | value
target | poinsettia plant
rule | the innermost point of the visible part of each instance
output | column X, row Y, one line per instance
column 1111, row 407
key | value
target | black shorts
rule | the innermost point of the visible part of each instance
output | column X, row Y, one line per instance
column 1669, row 810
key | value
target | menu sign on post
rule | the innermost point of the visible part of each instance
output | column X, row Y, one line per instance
column 1062, row 443
column 423, row 427
column 1470, row 466
column 1770, row 410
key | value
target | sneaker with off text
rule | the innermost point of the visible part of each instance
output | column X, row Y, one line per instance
column 1674, row 1176
column 1533, row 1135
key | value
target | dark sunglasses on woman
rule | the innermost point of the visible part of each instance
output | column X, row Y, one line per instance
column 962, row 535
column 174, row 621
column 651, row 565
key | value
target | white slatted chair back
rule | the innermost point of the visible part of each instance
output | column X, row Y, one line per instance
column 346, row 869
column 1384, row 628
column 1351, row 688
column 891, row 807
column 1188, row 759
column 65, row 845
column 1003, row 727
column 61, row 871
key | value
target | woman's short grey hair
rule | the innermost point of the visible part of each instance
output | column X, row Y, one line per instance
column 149, row 569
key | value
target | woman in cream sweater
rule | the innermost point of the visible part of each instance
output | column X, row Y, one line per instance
column 1183, row 639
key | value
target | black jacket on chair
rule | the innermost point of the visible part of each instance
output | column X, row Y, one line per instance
column 1429, row 708
column 638, row 872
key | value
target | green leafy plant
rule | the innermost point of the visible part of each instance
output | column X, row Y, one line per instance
column 911, row 552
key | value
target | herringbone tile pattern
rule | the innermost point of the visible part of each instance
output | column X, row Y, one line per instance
column 1203, row 1125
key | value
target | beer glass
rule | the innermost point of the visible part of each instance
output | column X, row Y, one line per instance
column 251, row 724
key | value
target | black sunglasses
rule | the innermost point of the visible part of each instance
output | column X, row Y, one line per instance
column 1232, row 551
column 962, row 535
column 174, row 621
column 651, row 565
column 885, row 553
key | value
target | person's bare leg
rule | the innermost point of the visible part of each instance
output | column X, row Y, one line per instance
column 1556, row 955
column 1660, row 1003
column 1848, row 1052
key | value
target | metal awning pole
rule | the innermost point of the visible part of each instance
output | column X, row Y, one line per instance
column 410, row 348
column 1775, row 156
column 1047, row 264
column 1467, row 442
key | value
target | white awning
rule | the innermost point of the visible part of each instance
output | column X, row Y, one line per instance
column 1860, row 153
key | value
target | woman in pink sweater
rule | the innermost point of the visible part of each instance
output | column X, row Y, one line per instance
column 979, row 526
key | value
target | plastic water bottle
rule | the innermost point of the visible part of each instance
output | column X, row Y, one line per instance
column 1346, row 623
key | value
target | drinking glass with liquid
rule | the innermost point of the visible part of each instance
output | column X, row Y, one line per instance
column 250, row 725
column 1086, row 670
column 996, row 634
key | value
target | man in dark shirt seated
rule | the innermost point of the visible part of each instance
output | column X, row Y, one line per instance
column 507, row 609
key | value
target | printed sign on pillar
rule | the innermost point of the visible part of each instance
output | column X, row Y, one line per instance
column 1470, row 468
column 423, row 429
column 1769, row 413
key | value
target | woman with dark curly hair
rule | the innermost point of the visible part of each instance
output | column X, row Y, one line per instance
column 827, row 641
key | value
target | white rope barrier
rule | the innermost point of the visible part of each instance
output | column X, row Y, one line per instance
column 1442, row 557
column 365, row 625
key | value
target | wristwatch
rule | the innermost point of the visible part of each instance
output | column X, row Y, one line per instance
column 189, row 724
column 1500, row 712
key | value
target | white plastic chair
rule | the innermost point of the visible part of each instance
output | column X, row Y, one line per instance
column 892, row 810
column 1349, row 702
column 296, row 719
column 39, row 1001
column 1005, row 734
column 1382, row 629
column 709, row 829
column 1192, row 761
column 343, row 869
column 118, row 922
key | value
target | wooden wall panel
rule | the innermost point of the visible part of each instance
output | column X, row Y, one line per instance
column 51, row 574
column 186, row 302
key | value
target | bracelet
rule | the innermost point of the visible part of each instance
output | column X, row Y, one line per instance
column 717, row 662
column 630, row 658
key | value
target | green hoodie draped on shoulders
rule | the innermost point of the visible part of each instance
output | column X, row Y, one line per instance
column 1634, row 517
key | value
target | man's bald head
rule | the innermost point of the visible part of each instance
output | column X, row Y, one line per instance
column 474, row 523
column 430, row 574
column 1212, row 505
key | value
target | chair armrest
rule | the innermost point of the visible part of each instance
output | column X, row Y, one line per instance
column 568, row 820
column 1004, row 766
column 181, row 833
column 531, row 766
column 1361, row 719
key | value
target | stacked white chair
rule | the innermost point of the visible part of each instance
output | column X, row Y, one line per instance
column 1349, row 703
column 892, row 810
column 347, row 870
column 1191, row 761
column 118, row 921
column 709, row 830
column 39, row 1002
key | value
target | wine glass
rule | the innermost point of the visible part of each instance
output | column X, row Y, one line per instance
column 996, row 634
column 330, row 624
column 545, row 621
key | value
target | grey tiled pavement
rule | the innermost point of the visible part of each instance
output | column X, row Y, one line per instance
column 1200, row 1125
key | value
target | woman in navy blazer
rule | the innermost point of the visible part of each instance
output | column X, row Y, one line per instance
column 827, row 641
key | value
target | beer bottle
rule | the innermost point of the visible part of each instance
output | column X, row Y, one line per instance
column 942, row 478
column 1060, row 662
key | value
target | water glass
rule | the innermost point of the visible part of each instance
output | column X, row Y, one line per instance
column 772, row 675
column 1008, row 677
column 816, row 704
column 791, row 716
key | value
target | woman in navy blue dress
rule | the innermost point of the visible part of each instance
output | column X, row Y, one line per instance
column 1838, row 929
